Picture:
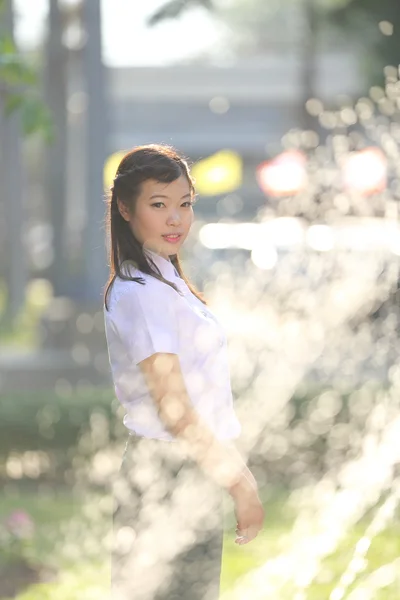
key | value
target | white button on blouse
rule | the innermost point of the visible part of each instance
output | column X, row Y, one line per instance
column 150, row 318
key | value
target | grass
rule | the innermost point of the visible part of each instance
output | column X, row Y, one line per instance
column 273, row 541
column 62, row 541
column 68, row 534
column 49, row 509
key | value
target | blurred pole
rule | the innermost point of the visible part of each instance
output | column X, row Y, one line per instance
column 56, row 163
column 12, row 177
column 95, row 265
column 308, row 73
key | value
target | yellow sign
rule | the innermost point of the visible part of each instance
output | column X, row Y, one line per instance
column 110, row 168
column 220, row 173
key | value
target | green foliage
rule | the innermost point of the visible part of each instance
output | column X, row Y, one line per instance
column 19, row 85
column 35, row 117
column 361, row 18
column 23, row 330
column 51, row 423
column 14, row 71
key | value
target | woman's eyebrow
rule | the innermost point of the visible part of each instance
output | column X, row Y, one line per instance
column 163, row 196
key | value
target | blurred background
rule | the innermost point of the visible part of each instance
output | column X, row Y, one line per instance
column 289, row 113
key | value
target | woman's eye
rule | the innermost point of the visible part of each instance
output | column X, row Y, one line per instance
column 159, row 204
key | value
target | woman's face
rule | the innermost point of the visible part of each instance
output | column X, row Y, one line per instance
column 161, row 209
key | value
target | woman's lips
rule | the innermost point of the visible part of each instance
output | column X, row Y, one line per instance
column 172, row 239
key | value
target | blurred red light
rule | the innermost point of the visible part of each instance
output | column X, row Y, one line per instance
column 284, row 175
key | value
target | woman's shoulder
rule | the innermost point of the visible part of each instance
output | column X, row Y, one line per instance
column 137, row 287
column 135, row 280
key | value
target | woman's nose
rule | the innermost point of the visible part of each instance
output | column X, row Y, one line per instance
column 173, row 218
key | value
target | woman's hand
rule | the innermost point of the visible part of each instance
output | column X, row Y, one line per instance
column 249, row 511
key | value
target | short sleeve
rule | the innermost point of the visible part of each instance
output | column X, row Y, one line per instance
column 144, row 318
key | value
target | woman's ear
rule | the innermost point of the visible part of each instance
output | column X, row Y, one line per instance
column 124, row 212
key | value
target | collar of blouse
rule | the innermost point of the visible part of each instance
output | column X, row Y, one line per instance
column 167, row 270
column 166, row 267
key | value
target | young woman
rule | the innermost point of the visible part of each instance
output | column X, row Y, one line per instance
column 169, row 363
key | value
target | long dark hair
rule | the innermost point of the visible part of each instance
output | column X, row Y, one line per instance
column 161, row 163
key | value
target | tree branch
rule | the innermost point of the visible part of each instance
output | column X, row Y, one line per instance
column 174, row 8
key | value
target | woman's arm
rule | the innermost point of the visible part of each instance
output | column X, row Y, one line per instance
column 223, row 463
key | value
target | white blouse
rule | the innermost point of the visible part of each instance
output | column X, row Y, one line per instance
column 150, row 318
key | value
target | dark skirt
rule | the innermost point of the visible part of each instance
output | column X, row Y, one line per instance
column 167, row 525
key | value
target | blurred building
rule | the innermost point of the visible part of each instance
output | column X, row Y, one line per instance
column 201, row 109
